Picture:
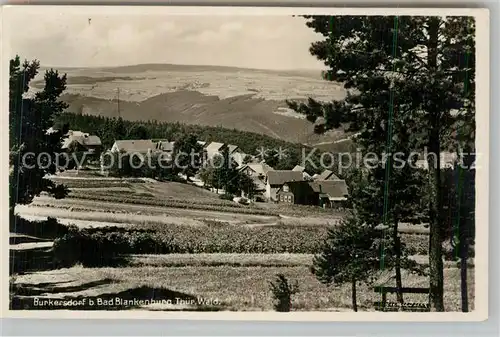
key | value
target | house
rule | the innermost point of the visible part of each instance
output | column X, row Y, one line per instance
column 327, row 193
column 139, row 146
column 326, row 175
column 297, row 192
column 80, row 141
column 213, row 149
column 277, row 178
column 331, row 193
column 165, row 146
column 258, row 173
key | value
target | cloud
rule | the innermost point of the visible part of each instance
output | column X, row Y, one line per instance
column 60, row 38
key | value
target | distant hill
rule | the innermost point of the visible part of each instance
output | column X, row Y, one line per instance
column 243, row 113
column 250, row 100
column 162, row 67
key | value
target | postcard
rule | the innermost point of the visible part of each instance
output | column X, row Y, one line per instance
column 246, row 163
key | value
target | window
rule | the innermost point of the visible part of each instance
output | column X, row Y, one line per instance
column 288, row 198
column 281, row 197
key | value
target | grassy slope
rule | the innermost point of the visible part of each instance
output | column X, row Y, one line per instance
column 238, row 288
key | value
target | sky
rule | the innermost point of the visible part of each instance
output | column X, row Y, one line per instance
column 92, row 39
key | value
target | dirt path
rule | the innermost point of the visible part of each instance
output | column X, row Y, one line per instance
column 101, row 219
column 168, row 211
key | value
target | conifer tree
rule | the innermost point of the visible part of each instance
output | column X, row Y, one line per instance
column 34, row 151
column 418, row 68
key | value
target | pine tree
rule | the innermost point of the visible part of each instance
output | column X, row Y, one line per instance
column 422, row 67
column 350, row 254
column 33, row 151
column 187, row 155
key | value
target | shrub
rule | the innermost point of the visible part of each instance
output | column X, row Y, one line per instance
column 91, row 247
column 108, row 245
column 226, row 196
column 49, row 228
column 282, row 293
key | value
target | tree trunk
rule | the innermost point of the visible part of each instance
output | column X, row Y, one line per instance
column 397, row 265
column 463, row 278
column 354, row 300
column 435, row 242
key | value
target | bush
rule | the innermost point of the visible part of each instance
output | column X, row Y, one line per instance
column 91, row 248
column 48, row 229
column 108, row 246
column 226, row 196
column 282, row 293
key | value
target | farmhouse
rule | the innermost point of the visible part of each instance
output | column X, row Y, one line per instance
column 80, row 141
column 213, row 149
column 216, row 148
column 326, row 193
column 258, row 173
column 165, row 146
column 141, row 146
column 277, row 178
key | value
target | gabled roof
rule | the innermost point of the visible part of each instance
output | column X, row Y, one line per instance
column 135, row 145
column 283, row 176
column 327, row 175
column 81, row 138
column 331, row 188
column 214, row 146
column 238, row 157
column 298, row 168
column 259, row 168
column 232, row 148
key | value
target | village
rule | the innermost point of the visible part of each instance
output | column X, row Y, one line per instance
column 294, row 186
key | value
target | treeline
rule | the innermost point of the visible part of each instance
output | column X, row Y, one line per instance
column 279, row 154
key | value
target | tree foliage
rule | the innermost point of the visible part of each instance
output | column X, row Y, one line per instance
column 413, row 73
column 188, row 155
column 33, row 151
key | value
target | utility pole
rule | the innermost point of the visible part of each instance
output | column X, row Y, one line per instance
column 118, row 102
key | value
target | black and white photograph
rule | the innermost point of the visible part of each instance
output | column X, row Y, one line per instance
column 245, row 160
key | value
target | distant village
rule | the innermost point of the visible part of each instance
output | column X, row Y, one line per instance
column 294, row 186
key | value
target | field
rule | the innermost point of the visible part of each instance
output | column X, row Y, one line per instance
column 181, row 241
column 216, row 278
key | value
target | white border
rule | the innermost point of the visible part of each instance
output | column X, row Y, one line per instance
column 482, row 172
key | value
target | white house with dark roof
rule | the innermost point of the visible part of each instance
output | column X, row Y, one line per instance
column 130, row 146
column 213, row 149
column 258, row 173
column 81, row 141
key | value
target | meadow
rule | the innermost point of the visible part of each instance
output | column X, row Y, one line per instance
column 138, row 239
